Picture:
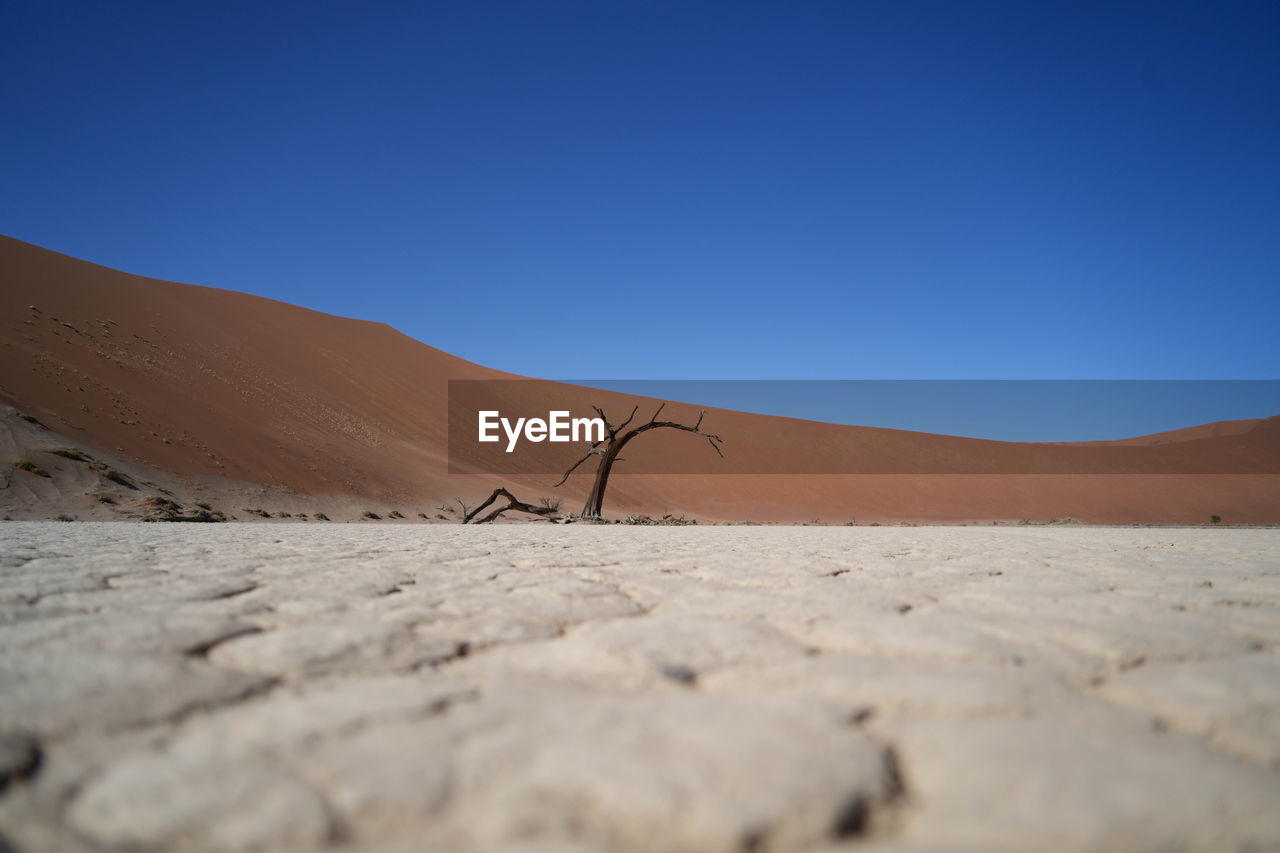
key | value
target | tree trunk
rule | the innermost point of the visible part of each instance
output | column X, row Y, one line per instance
column 608, row 451
column 595, row 500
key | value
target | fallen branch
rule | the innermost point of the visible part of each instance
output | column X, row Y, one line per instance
column 513, row 503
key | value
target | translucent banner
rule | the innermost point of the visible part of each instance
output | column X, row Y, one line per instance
column 815, row 427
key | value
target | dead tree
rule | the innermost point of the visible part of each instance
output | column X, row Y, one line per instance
column 512, row 503
column 608, row 448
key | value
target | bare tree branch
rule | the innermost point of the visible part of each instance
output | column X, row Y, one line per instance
column 628, row 420
column 608, row 449
column 592, row 452
column 608, row 426
column 714, row 440
column 512, row 503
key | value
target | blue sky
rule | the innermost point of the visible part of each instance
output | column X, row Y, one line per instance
column 1017, row 410
column 682, row 190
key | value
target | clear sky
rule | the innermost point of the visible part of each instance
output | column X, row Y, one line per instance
column 737, row 190
column 1006, row 410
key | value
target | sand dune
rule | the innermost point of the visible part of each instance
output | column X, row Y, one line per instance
column 224, row 388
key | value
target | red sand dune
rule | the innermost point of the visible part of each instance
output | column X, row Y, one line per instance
column 210, row 383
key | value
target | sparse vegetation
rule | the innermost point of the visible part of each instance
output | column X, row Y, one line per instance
column 163, row 509
column 112, row 474
column 320, row 516
column 552, row 504
column 283, row 514
column 120, row 478
column 106, row 499
column 30, row 467
column 667, row 520
column 371, row 514
column 203, row 505
column 32, row 419
column 395, row 513
column 163, row 506
column 63, row 517
column 1216, row 519
column 259, row 512
column 422, row 515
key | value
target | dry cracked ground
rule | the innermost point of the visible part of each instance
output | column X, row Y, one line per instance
column 550, row 688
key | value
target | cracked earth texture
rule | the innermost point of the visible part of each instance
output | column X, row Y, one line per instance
column 581, row 688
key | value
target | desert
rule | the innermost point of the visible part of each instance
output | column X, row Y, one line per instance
column 569, row 427
column 245, row 403
column 542, row 687
column 926, row 650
